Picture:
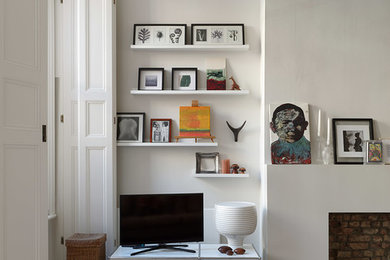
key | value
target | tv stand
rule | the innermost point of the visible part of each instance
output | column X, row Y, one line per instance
column 203, row 252
column 162, row 246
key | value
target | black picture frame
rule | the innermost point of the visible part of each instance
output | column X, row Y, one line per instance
column 167, row 28
column 156, row 77
column 344, row 130
column 130, row 131
column 224, row 40
column 175, row 79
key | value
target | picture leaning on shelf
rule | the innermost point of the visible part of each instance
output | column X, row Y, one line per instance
column 130, row 127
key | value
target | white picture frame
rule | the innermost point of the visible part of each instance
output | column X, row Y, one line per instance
column 184, row 79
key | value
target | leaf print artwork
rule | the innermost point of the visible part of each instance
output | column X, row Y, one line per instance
column 143, row 35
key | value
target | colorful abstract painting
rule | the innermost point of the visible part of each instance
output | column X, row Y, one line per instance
column 374, row 150
column 195, row 121
column 290, row 138
column 216, row 79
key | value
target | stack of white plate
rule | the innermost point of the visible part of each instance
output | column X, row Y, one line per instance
column 235, row 220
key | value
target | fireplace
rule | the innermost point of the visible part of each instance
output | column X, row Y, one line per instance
column 359, row 236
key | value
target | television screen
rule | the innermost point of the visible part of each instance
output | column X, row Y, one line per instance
column 161, row 218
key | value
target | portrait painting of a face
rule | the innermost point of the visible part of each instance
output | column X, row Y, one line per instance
column 290, row 138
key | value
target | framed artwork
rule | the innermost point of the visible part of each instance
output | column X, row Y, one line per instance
column 160, row 130
column 207, row 162
column 290, row 133
column 130, row 127
column 159, row 34
column 386, row 150
column 373, row 152
column 217, row 34
column 150, row 78
column 349, row 134
column 184, row 78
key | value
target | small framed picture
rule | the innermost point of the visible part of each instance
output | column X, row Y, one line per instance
column 130, row 127
column 373, row 152
column 217, row 34
column 207, row 162
column 349, row 136
column 160, row 130
column 386, row 150
column 150, row 78
column 159, row 34
column 184, row 78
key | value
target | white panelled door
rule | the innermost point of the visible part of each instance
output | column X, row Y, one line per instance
column 23, row 154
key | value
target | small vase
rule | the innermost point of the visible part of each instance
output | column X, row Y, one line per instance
column 327, row 154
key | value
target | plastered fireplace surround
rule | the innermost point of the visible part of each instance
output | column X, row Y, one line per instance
column 300, row 198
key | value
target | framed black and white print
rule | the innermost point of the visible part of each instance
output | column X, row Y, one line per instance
column 150, row 78
column 349, row 136
column 184, row 78
column 159, row 34
column 217, row 34
column 130, row 127
column 160, row 130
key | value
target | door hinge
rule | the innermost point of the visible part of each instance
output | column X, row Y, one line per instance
column 44, row 133
column 114, row 1
column 114, row 120
column 115, row 242
column 62, row 240
column 62, row 118
column 61, row 1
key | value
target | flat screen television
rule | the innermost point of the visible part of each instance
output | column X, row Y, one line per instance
column 161, row 218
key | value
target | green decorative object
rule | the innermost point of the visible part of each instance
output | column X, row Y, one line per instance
column 185, row 81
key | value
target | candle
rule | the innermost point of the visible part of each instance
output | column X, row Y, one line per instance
column 328, row 133
column 319, row 123
column 226, row 166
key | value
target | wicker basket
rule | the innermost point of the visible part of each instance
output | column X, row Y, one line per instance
column 86, row 247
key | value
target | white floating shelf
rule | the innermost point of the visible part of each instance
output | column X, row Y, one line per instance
column 189, row 92
column 192, row 47
column 148, row 144
column 220, row 175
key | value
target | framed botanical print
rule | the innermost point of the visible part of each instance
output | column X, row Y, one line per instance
column 349, row 136
column 159, row 34
column 130, row 127
column 217, row 34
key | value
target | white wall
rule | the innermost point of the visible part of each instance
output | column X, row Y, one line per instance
column 159, row 170
column 334, row 55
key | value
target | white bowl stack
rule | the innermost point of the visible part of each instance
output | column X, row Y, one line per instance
column 235, row 220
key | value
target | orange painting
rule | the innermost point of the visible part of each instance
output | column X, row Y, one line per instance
column 195, row 121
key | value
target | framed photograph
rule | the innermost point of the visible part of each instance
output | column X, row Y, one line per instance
column 160, row 130
column 373, row 152
column 207, row 162
column 217, row 34
column 130, row 127
column 150, row 78
column 386, row 150
column 159, row 34
column 349, row 134
column 184, row 78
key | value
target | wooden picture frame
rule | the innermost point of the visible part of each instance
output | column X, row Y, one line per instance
column 349, row 135
column 151, row 79
column 159, row 34
column 130, row 127
column 160, row 130
column 217, row 34
column 185, row 79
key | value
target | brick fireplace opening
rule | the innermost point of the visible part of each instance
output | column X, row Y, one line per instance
column 359, row 236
